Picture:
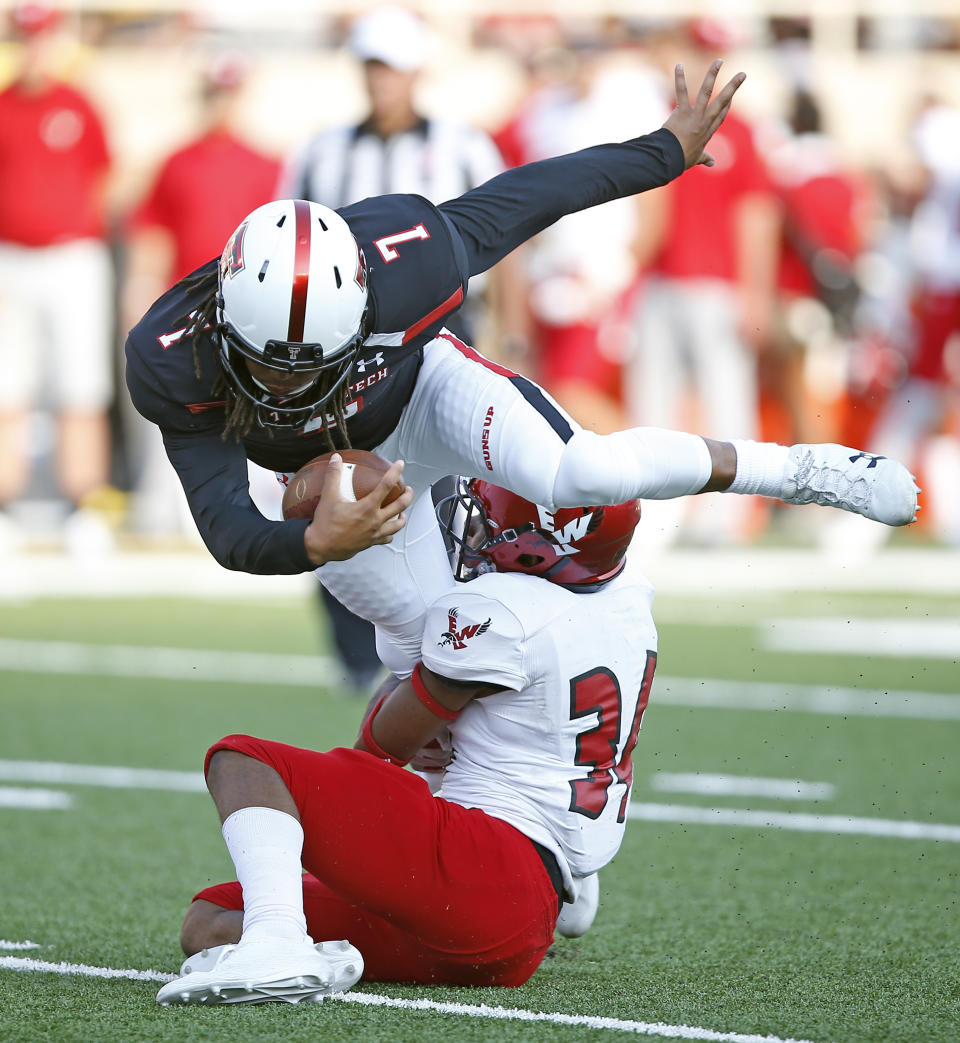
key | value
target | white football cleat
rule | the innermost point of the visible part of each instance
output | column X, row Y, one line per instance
column 345, row 960
column 836, row 476
column 265, row 972
column 576, row 917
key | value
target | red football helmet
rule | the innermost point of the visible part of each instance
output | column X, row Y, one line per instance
column 493, row 529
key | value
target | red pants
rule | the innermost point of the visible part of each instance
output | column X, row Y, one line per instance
column 427, row 890
column 938, row 317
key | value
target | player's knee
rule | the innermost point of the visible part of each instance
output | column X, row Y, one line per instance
column 207, row 924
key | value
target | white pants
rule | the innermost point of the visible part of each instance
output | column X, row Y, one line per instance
column 687, row 336
column 466, row 418
column 56, row 309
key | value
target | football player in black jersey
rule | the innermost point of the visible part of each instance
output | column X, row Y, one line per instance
column 318, row 329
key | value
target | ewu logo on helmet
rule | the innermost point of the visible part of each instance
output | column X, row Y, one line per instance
column 574, row 530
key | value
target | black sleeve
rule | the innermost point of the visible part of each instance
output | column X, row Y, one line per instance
column 499, row 215
column 214, row 477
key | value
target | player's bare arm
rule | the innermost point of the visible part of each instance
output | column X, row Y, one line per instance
column 342, row 528
column 694, row 124
column 402, row 722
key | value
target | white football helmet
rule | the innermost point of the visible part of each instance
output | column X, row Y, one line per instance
column 293, row 297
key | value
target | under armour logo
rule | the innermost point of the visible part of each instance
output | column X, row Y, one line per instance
column 361, row 365
column 867, row 456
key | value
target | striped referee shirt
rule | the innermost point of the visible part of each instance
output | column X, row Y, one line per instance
column 436, row 159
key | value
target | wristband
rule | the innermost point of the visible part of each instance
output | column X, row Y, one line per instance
column 420, row 690
column 371, row 744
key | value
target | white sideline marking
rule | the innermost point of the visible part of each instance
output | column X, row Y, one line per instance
column 97, row 775
column 34, row 799
column 799, row 698
column 912, row 638
column 275, row 669
column 482, row 1010
column 737, row 785
column 794, row 820
column 4, row 944
column 26, row 963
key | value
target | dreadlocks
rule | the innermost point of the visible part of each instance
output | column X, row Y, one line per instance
column 241, row 412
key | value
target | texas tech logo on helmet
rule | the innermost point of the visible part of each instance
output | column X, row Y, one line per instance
column 231, row 260
column 459, row 638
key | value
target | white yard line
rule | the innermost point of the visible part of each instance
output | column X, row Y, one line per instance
column 280, row 670
column 101, row 775
column 192, row 782
column 482, row 1010
column 34, row 799
column 800, row 698
column 169, row 664
column 733, row 785
column 17, row 946
column 892, row 638
column 795, row 820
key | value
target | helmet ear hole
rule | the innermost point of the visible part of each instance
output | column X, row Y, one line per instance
column 530, row 561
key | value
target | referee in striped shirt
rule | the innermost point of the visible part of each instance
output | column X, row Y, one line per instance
column 397, row 149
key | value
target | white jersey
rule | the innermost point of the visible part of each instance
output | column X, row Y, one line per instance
column 552, row 755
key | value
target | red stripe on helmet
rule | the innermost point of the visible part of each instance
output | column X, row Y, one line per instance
column 301, row 270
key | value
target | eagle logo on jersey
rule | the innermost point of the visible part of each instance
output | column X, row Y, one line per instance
column 459, row 638
column 231, row 260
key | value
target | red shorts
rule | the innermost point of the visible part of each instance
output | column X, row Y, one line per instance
column 427, row 890
column 938, row 317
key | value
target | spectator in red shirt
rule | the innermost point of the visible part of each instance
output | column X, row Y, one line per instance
column 707, row 303
column 197, row 197
column 825, row 208
column 55, row 271
column 199, row 192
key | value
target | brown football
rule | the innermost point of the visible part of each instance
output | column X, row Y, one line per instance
column 361, row 473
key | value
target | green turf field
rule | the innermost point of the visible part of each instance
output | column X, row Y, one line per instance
column 735, row 925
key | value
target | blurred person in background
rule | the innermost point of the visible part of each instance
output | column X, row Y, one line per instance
column 195, row 200
column 581, row 270
column 920, row 421
column 56, row 279
column 707, row 304
column 398, row 148
column 826, row 209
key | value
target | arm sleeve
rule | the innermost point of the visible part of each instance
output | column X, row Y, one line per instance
column 214, row 477
column 496, row 217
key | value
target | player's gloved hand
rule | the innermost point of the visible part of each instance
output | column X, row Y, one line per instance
column 435, row 756
column 342, row 528
column 694, row 125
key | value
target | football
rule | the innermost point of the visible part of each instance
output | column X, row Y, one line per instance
column 361, row 473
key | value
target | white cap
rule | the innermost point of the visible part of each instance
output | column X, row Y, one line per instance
column 392, row 35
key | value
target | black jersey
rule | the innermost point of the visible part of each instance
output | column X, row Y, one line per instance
column 420, row 258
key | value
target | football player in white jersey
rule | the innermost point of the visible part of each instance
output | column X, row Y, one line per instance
column 540, row 668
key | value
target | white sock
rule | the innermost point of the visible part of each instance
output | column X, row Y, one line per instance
column 759, row 468
column 266, row 846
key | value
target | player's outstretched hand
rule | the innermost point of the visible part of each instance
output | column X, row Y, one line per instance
column 695, row 124
column 342, row 528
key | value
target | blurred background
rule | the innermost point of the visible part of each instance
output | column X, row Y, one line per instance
column 807, row 288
